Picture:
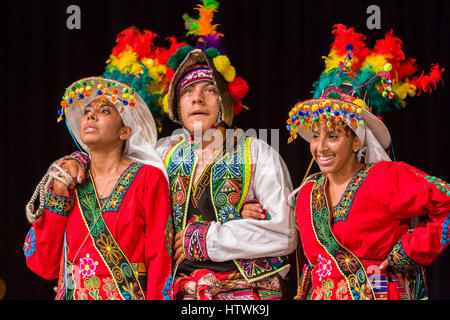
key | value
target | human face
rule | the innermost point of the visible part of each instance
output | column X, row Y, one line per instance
column 199, row 106
column 334, row 149
column 101, row 126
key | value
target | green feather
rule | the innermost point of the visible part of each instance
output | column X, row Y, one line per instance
column 140, row 84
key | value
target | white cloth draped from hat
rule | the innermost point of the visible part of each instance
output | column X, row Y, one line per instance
column 136, row 148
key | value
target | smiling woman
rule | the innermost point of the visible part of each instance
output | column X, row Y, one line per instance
column 359, row 214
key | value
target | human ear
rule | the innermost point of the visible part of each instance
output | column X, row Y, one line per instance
column 125, row 133
column 357, row 144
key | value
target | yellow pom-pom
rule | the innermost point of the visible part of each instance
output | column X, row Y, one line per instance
column 221, row 63
column 387, row 67
column 229, row 74
column 360, row 102
column 165, row 104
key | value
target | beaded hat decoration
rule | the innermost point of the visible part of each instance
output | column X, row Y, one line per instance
column 359, row 84
column 207, row 51
column 135, row 73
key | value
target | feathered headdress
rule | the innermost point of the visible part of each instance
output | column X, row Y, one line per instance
column 138, row 62
column 209, row 40
column 367, row 80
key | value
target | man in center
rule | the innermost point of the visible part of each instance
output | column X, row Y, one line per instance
column 218, row 254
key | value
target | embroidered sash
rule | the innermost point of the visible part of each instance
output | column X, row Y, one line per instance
column 115, row 260
column 343, row 265
column 229, row 184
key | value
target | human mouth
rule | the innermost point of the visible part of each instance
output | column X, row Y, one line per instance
column 90, row 129
column 325, row 160
column 198, row 114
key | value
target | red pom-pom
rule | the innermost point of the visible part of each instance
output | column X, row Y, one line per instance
column 237, row 108
column 238, row 88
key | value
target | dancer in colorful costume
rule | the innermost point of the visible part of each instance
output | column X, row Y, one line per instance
column 219, row 253
column 111, row 236
column 354, row 216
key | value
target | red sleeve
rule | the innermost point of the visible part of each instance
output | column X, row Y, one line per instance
column 158, row 236
column 44, row 241
column 413, row 193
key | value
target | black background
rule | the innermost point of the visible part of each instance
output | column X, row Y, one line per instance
column 275, row 45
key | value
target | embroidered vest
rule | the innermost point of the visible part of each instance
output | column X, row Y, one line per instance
column 229, row 184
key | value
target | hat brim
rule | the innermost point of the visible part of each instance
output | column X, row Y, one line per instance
column 141, row 115
column 377, row 127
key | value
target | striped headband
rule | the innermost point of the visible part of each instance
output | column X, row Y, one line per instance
column 193, row 76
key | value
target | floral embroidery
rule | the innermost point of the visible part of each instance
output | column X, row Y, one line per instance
column 111, row 289
column 325, row 291
column 93, row 284
column 229, row 213
column 324, row 269
column 28, row 246
column 87, row 266
column 120, row 269
column 82, row 295
column 399, row 260
column 342, row 290
column 348, row 264
column 109, row 249
column 56, row 203
column 116, row 197
column 341, row 210
column 346, row 261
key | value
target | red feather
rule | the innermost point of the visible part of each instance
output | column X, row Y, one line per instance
column 391, row 47
column 406, row 69
column 140, row 42
column 424, row 82
column 344, row 36
column 163, row 54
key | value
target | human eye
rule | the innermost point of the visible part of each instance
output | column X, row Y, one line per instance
column 211, row 89
column 333, row 136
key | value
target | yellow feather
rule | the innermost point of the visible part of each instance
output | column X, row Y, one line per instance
column 376, row 61
column 332, row 60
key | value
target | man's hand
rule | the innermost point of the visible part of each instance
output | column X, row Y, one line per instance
column 252, row 211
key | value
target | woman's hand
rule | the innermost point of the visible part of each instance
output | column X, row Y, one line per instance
column 178, row 248
column 385, row 264
column 73, row 169
column 253, row 211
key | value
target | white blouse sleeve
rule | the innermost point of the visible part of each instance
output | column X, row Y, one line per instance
column 248, row 238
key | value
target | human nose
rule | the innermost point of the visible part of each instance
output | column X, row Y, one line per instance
column 322, row 143
column 92, row 114
column 198, row 96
